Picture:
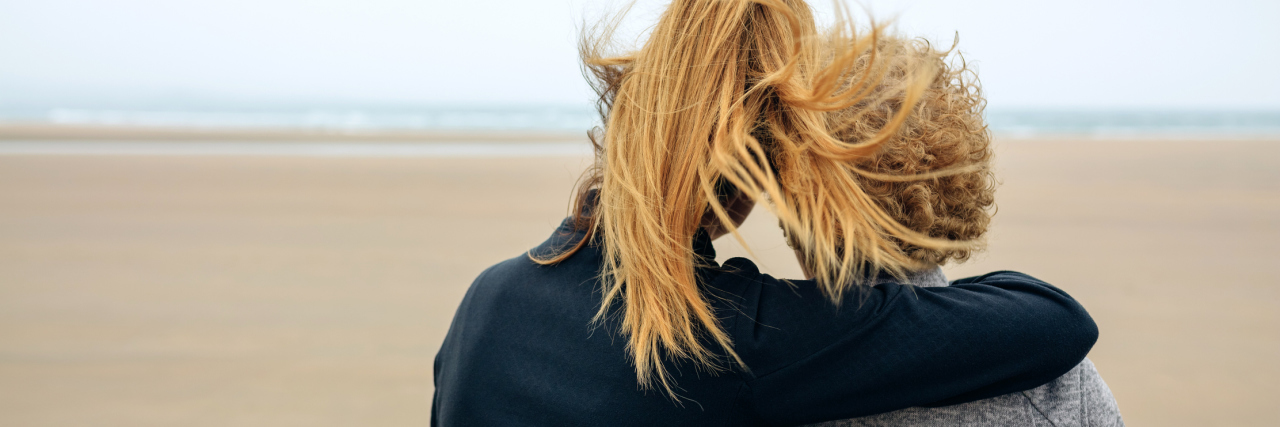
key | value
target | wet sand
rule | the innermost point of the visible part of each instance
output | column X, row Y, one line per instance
column 232, row 290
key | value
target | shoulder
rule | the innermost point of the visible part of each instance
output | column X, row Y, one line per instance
column 522, row 268
column 782, row 321
column 1077, row 398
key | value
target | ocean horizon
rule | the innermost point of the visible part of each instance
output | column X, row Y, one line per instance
column 1019, row 122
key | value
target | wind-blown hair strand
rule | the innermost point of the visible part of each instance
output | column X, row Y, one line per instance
column 859, row 141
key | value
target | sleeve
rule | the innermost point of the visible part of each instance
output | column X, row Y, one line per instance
column 893, row 346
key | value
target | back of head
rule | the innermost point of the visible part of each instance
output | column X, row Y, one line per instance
column 869, row 148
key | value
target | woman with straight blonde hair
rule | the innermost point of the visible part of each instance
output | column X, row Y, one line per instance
column 872, row 152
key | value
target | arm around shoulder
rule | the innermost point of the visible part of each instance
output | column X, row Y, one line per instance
column 896, row 346
column 1046, row 331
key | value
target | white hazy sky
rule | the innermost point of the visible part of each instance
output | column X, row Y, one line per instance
column 1063, row 54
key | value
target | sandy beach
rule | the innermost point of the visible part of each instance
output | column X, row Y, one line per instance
column 249, row 290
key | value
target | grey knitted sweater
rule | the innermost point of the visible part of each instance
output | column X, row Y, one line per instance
column 1078, row 398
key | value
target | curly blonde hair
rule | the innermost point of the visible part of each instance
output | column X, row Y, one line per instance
column 870, row 149
column 945, row 131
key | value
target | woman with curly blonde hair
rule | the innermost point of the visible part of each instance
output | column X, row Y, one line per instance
column 871, row 151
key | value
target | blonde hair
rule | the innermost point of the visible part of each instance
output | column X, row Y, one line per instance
column 749, row 95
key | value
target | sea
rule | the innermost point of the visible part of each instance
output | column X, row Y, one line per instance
column 1008, row 121
column 1117, row 124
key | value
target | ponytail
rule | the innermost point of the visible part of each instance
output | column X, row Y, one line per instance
column 750, row 93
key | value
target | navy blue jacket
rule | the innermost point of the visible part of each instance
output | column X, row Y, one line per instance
column 522, row 350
